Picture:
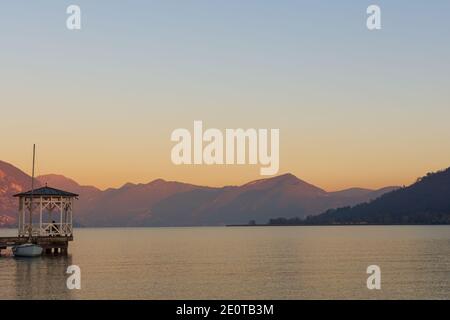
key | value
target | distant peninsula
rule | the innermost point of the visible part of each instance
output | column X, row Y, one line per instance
column 425, row 202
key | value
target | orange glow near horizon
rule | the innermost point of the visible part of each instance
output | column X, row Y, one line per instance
column 111, row 168
column 355, row 108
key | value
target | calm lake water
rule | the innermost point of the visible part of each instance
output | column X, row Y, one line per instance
column 239, row 263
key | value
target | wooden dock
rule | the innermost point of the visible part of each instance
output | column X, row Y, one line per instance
column 50, row 244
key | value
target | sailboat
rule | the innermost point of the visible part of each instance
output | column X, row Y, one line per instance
column 29, row 249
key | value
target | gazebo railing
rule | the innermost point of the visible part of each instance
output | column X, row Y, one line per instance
column 47, row 229
column 55, row 229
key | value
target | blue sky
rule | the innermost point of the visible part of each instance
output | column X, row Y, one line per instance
column 345, row 99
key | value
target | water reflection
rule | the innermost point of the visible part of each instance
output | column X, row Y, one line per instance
column 240, row 263
column 42, row 277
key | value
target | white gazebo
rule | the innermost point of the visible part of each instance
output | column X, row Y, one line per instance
column 52, row 212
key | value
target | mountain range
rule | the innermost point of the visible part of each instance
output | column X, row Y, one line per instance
column 427, row 201
column 171, row 203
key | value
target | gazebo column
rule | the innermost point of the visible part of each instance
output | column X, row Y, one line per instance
column 49, row 211
column 19, row 220
column 70, row 215
column 66, row 216
column 61, row 214
column 40, row 215
column 22, row 216
column 21, row 201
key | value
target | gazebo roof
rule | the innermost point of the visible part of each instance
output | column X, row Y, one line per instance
column 46, row 191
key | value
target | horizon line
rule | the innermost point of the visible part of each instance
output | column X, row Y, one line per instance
column 200, row 185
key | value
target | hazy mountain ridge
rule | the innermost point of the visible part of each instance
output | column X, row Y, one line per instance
column 171, row 203
column 12, row 181
column 427, row 201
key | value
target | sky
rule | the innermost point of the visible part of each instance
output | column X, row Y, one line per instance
column 354, row 107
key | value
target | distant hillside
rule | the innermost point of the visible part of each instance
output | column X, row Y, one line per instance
column 172, row 203
column 133, row 204
column 169, row 203
column 425, row 202
column 12, row 181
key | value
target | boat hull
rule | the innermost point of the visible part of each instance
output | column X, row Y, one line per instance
column 27, row 250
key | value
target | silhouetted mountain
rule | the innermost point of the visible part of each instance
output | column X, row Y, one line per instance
column 425, row 202
column 132, row 204
column 171, row 203
column 254, row 200
column 12, row 181
column 67, row 184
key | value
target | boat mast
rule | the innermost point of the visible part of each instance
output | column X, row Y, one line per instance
column 30, row 228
